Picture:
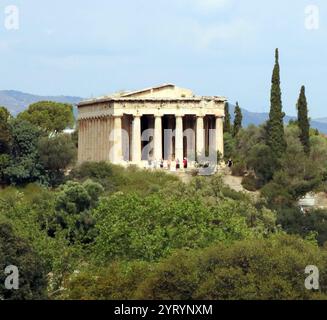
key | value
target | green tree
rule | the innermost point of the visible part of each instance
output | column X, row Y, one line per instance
column 51, row 117
column 303, row 121
column 229, row 146
column 32, row 276
column 275, row 125
column 56, row 154
column 237, row 120
column 227, row 122
column 24, row 164
column 298, row 174
column 261, row 160
column 72, row 205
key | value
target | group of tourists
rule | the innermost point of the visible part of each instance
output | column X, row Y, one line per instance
column 171, row 165
column 175, row 165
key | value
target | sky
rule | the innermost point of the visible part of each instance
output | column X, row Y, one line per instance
column 214, row 47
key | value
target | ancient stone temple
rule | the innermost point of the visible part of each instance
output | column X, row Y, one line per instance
column 159, row 123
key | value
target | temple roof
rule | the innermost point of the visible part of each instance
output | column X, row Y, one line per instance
column 165, row 91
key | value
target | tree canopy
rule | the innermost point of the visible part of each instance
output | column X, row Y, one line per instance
column 51, row 117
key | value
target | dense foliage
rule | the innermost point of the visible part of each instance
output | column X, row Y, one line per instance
column 29, row 154
column 250, row 269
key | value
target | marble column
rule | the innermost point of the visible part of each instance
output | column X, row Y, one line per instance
column 179, row 136
column 136, row 140
column 98, row 140
column 93, row 135
column 200, row 137
column 168, row 139
column 220, row 135
column 80, row 140
column 117, row 137
column 158, row 138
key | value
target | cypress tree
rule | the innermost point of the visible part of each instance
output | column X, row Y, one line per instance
column 275, row 125
column 227, row 124
column 237, row 120
column 303, row 121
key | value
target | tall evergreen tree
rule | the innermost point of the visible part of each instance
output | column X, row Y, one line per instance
column 227, row 124
column 303, row 120
column 275, row 125
column 237, row 120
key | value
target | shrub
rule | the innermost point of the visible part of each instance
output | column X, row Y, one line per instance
column 238, row 169
column 250, row 183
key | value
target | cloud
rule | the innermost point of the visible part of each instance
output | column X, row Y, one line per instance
column 209, row 36
column 4, row 47
column 206, row 6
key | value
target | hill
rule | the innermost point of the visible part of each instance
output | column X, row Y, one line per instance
column 17, row 101
column 257, row 118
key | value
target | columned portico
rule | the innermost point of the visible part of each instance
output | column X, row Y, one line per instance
column 170, row 122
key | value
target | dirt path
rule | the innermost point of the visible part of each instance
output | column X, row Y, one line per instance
column 234, row 183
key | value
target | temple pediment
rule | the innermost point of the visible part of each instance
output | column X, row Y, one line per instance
column 169, row 91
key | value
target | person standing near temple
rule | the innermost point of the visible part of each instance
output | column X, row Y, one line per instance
column 178, row 166
column 185, row 163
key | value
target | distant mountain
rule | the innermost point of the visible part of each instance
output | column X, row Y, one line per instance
column 257, row 118
column 17, row 101
column 322, row 120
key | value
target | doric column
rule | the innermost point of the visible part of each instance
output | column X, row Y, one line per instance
column 80, row 140
column 158, row 138
column 97, row 141
column 168, row 139
column 94, row 136
column 200, row 137
column 107, row 143
column 179, row 145
column 136, row 140
column 117, row 135
column 220, row 135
